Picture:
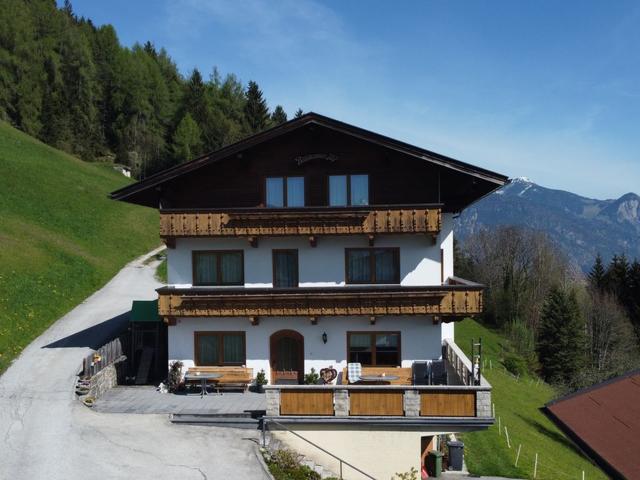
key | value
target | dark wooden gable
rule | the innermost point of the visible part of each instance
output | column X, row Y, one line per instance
column 313, row 150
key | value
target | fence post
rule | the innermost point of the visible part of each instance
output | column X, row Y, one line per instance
column 535, row 467
column 518, row 455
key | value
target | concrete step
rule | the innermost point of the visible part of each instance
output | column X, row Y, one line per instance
column 219, row 420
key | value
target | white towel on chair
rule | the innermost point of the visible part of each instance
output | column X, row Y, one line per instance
column 354, row 370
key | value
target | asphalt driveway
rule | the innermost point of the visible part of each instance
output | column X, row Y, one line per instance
column 47, row 434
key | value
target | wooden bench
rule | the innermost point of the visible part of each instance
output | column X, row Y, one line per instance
column 233, row 378
column 404, row 374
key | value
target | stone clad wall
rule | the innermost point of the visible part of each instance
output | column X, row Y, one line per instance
column 106, row 378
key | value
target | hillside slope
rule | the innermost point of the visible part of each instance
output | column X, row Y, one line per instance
column 517, row 403
column 60, row 237
column 581, row 226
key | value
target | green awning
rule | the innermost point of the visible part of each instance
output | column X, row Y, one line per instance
column 144, row 311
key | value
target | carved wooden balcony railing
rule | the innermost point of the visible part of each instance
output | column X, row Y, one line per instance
column 446, row 302
column 310, row 221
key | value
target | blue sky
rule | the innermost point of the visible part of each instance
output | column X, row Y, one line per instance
column 548, row 90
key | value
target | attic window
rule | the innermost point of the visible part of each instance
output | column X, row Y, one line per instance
column 284, row 192
column 348, row 190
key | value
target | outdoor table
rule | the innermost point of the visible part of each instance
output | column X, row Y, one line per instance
column 203, row 377
column 378, row 378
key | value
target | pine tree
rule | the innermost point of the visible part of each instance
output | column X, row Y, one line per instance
column 597, row 274
column 256, row 112
column 279, row 115
column 298, row 113
column 186, row 140
column 560, row 343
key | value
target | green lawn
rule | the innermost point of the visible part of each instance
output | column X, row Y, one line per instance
column 517, row 403
column 61, row 238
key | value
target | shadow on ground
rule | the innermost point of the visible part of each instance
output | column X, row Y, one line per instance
column 553, row 435
column 96, row 336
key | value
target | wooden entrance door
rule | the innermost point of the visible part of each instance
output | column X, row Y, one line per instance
column 287, row 357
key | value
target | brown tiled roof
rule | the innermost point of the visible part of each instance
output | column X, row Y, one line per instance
column 604, row 420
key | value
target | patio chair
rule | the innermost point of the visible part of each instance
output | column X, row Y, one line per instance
column 438, row 373
column 420, row 373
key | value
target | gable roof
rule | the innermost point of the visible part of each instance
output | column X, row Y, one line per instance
column 604, row 421
column 310, row 118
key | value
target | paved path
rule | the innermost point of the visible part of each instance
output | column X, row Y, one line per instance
column 47, row 434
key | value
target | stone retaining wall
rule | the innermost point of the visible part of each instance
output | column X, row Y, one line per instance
column 107, row 378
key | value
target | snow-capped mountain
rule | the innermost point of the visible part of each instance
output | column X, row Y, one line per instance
column 581, row 226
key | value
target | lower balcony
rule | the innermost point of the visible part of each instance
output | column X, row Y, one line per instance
column 454, row 300
column 463, row 399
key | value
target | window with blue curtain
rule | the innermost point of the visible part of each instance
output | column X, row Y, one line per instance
column 338, row 190
column 348, row 190
column 295, row 191
column 359, row 189
column 218, row 267
column 285, row 192
column 372, row 265
column 275, row 192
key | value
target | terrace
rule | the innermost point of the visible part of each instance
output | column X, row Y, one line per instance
column 463, row 398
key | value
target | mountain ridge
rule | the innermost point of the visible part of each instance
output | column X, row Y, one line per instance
column 581, row 226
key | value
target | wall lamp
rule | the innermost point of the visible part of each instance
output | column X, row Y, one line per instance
column 324, row 337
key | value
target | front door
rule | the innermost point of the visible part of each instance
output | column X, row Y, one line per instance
column 287, row 357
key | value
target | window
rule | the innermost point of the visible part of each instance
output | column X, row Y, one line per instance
column 218, row 267
column 285, row 192
column 220, row 348
column 374, row 348
column 285, row 268
column 348, row 190
column 373, row 265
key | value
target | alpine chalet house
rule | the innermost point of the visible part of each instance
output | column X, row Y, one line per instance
column 320, row 245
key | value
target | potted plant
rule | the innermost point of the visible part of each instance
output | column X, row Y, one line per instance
column 261, row 379
column 311, row 378
column 175, row 376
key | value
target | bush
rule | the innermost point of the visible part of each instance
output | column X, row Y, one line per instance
column 311, row 378
column 515, row 364
column 285, row 465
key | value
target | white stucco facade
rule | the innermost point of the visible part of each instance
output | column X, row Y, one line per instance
column 320, row 266
column 420, row 339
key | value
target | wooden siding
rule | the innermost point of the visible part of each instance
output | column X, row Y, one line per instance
column 450, row 303
column 311, row 221
column 448, row 404
column 309, row 402
column 376, row 402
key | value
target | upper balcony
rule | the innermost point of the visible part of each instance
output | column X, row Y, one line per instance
column 455, row 299
column 253, row 223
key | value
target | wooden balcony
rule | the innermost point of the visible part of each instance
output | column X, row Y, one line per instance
column 445, row 302
column 309, row 221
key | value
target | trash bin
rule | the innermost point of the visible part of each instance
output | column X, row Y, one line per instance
column 434, row 463
column 456, row 453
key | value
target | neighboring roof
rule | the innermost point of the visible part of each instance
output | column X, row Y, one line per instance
column 144, row 311
column 307, row 119
column 604, row 421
